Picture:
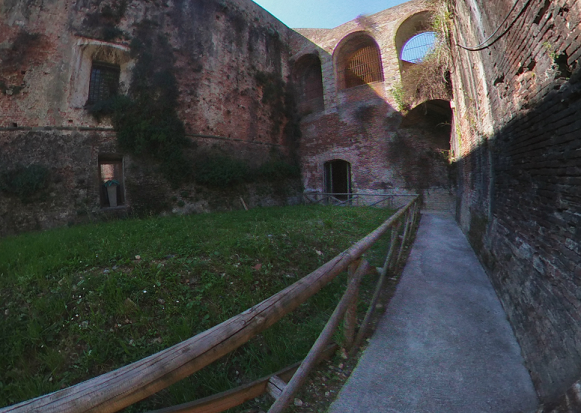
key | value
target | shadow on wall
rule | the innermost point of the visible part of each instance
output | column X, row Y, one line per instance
column 520, row 206
column 420, row 148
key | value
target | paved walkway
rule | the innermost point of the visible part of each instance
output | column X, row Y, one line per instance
column 444, row 343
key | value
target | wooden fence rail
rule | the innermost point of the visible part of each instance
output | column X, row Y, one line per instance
column 127, row 385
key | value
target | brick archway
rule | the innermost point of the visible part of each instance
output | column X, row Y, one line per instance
column 358, row 61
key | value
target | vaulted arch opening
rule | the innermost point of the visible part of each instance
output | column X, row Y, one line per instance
column 358, row 61
column 308, row 79
column 420, row 149
column 414, row 38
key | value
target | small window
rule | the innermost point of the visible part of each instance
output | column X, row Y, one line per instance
column 104, row 82
column 111, row 181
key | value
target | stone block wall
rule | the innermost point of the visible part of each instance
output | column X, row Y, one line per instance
column 518, row 152
column 220, row 51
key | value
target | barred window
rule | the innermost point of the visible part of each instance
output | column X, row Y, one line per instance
column 358, row 61
column 363, row 67
column 104, row 82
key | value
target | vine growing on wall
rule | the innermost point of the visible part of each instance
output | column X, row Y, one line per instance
column 146, row 119
column 103, row 24
column 430, row 78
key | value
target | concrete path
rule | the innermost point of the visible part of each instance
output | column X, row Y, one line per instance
column 444, row 343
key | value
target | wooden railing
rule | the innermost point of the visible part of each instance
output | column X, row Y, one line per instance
column 391, row 201
column 120, row 388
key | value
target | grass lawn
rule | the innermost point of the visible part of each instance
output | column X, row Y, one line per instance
column 78, row 302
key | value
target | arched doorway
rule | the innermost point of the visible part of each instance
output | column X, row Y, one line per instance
column 420, row 152
column 338, row 178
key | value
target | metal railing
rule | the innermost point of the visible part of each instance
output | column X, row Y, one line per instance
column 123, row 387
column 391, row 201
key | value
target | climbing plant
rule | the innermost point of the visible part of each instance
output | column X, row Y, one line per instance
column 146, row 119
column 430, row 78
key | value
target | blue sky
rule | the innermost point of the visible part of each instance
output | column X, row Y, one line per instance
column 322, row 14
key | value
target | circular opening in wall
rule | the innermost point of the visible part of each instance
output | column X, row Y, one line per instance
column 416, row 48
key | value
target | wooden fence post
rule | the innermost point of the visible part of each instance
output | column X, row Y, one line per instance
column 376, row 293
column 350, row 322
column 300, row 376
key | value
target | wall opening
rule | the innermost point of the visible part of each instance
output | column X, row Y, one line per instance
column 112, row 191
column 308, row 78
column 358, row 61
column 412, row 39
column 420, row 151
column 101, row 70
column 338, row 178
column 104, row 82
column 418, row 47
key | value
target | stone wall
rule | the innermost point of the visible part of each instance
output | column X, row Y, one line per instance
column 517, row 148
column 221, row 52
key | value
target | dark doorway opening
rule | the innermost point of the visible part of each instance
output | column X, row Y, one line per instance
column 338, row 178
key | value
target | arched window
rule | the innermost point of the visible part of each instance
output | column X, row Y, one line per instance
column 308, row 78
column 416, row 48
column 414, row 38
column 338, row 178
column 358, row 61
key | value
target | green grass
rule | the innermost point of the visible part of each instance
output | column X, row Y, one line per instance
column 77, row 303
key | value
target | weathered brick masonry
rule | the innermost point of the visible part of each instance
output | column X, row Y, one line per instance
column 237, row 70
column 220, row 48
column 518, row 150
column 515, row 130
column 362, row 124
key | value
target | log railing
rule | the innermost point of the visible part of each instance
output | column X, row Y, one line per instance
column 120, row 388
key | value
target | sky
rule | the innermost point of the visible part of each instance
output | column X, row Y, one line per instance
column 322, row 14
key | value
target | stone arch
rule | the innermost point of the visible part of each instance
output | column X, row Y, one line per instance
column 421, row 149
column 358, row 61
column 308, row 80
column 411, row 27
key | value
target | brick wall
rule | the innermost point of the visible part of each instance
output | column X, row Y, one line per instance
column 361, row 125
column 517, row 148
column 220, row 48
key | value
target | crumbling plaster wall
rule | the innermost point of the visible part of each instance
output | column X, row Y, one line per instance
column 517, row 148
column 357, row 124
column 220, row 48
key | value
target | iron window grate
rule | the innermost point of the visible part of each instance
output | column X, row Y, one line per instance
column 104, row 82
column 363, row 67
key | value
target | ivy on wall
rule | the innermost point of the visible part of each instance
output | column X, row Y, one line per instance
column 103, row 24
column 146, row 119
